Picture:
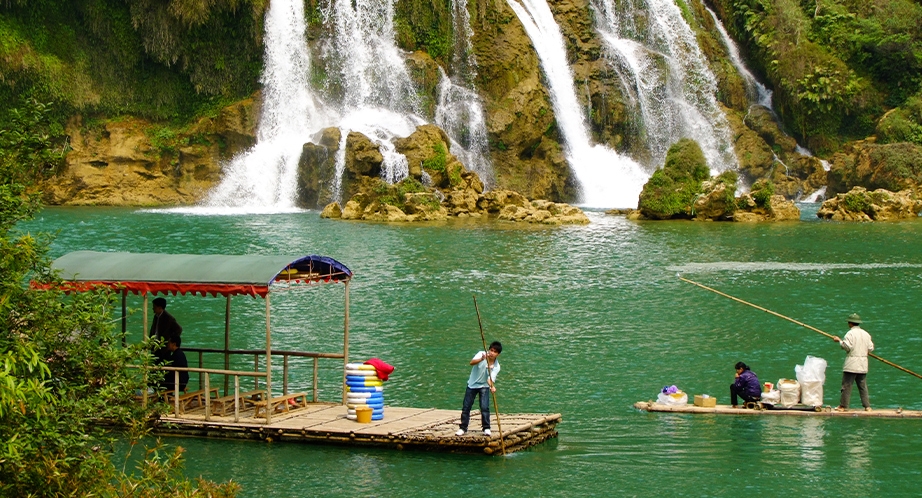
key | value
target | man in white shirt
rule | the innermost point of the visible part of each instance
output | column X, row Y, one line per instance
column 857, row 342
column 481, row 383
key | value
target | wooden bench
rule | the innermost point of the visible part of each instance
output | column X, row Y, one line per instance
column 221, row 406
column 280, row 404
column 194, row 399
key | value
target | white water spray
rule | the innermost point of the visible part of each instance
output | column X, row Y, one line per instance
column 758, row 93
column 669, row 77
column 460, row 110
column 606, row 178
column 264, row 178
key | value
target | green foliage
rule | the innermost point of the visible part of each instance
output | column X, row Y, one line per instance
column 729, row 179
column 395, row 195
column 152, row 59
column 903, row 124
column 439, row 160
column 425, row 25
column 857, row 202
column 671, row 191
column 762, row 192
column 32, row 144
column 685, row 159
column 65, row 376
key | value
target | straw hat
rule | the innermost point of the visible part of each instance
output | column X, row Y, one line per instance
column 854, row 318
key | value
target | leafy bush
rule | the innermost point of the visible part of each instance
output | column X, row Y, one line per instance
column 762, row 192
column 857, row 202
column 439, row 160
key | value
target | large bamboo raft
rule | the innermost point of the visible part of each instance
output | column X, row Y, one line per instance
column 401, row 428
column 652, row 406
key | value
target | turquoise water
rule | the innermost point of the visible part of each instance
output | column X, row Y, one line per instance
column 593, row 318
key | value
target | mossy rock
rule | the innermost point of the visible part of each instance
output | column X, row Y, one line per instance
column 671, row 191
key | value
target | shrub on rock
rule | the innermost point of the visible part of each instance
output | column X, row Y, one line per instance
column 671, row 191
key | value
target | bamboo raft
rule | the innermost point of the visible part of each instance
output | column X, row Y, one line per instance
column 827, row 411
column 402, row 428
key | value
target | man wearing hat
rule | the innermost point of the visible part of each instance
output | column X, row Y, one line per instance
column 857, row 343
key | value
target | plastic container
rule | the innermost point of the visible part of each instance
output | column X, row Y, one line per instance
column 790, row 392
column 363, row 415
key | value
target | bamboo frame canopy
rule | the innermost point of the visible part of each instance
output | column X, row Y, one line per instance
column 213, row 274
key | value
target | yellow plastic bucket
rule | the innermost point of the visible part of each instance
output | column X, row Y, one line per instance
column 363, row 414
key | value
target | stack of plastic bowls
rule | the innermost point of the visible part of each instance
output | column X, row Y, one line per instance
column 364, row 388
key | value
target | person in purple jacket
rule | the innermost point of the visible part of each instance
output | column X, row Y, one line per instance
column 746, row 385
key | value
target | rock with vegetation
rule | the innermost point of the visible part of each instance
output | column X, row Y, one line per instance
column 683, row 189
column 859, row 204
column 761, row 203
column 451, row 190
column 893, row 167
column 671, row 190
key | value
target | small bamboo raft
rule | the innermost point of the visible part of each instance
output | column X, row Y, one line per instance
column 401, row 428
column 827, row 411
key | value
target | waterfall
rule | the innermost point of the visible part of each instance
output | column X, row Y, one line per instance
column 264, row 178
column 758, row 93
column 606, row 178
column 666, row 73
column 460, row 110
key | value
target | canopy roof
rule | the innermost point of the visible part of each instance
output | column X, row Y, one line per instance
column 196, row 273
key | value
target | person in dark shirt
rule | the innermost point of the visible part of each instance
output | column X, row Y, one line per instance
column 746, row 386
column 175, row 358
column 163, row 327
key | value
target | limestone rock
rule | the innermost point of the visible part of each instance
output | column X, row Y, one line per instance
column 377, row 211
column 892, row 167
column 332, row 210
column 715, row 202
column 363, row 156
column 880, row 205
column 783, row 209
column 352, row 211
column 128, row 162
column 427, row 143
column 317, row 169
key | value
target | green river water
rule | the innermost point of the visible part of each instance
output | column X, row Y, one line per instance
column 592, row 318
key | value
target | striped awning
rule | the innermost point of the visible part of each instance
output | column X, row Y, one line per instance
column 194, row 273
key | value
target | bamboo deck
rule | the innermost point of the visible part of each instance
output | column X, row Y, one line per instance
column 651, row 406
column 401, row 428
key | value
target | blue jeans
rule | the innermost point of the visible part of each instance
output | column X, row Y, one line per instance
column 469, row 394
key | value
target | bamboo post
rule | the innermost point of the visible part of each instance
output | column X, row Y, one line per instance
column 284, row 374
column 779, row 315
column 314, row 386
column 236, row 398
column 227, row 308
column 268, row 364
column 345, row 339
column 207, row 395
column 124, row 317
column 144, row 337
column 483, row 338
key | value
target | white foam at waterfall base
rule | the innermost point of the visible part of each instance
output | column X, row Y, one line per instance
column 264, row 178
column 606, row 178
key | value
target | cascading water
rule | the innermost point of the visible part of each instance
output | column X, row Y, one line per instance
column 367, row 75
column 758, row 93
column 264, row 178
column 606, row 178
column 460, row 111
column 665, row 71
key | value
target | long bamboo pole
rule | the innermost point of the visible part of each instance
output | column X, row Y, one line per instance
column 483, row 338
column 779, row 315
